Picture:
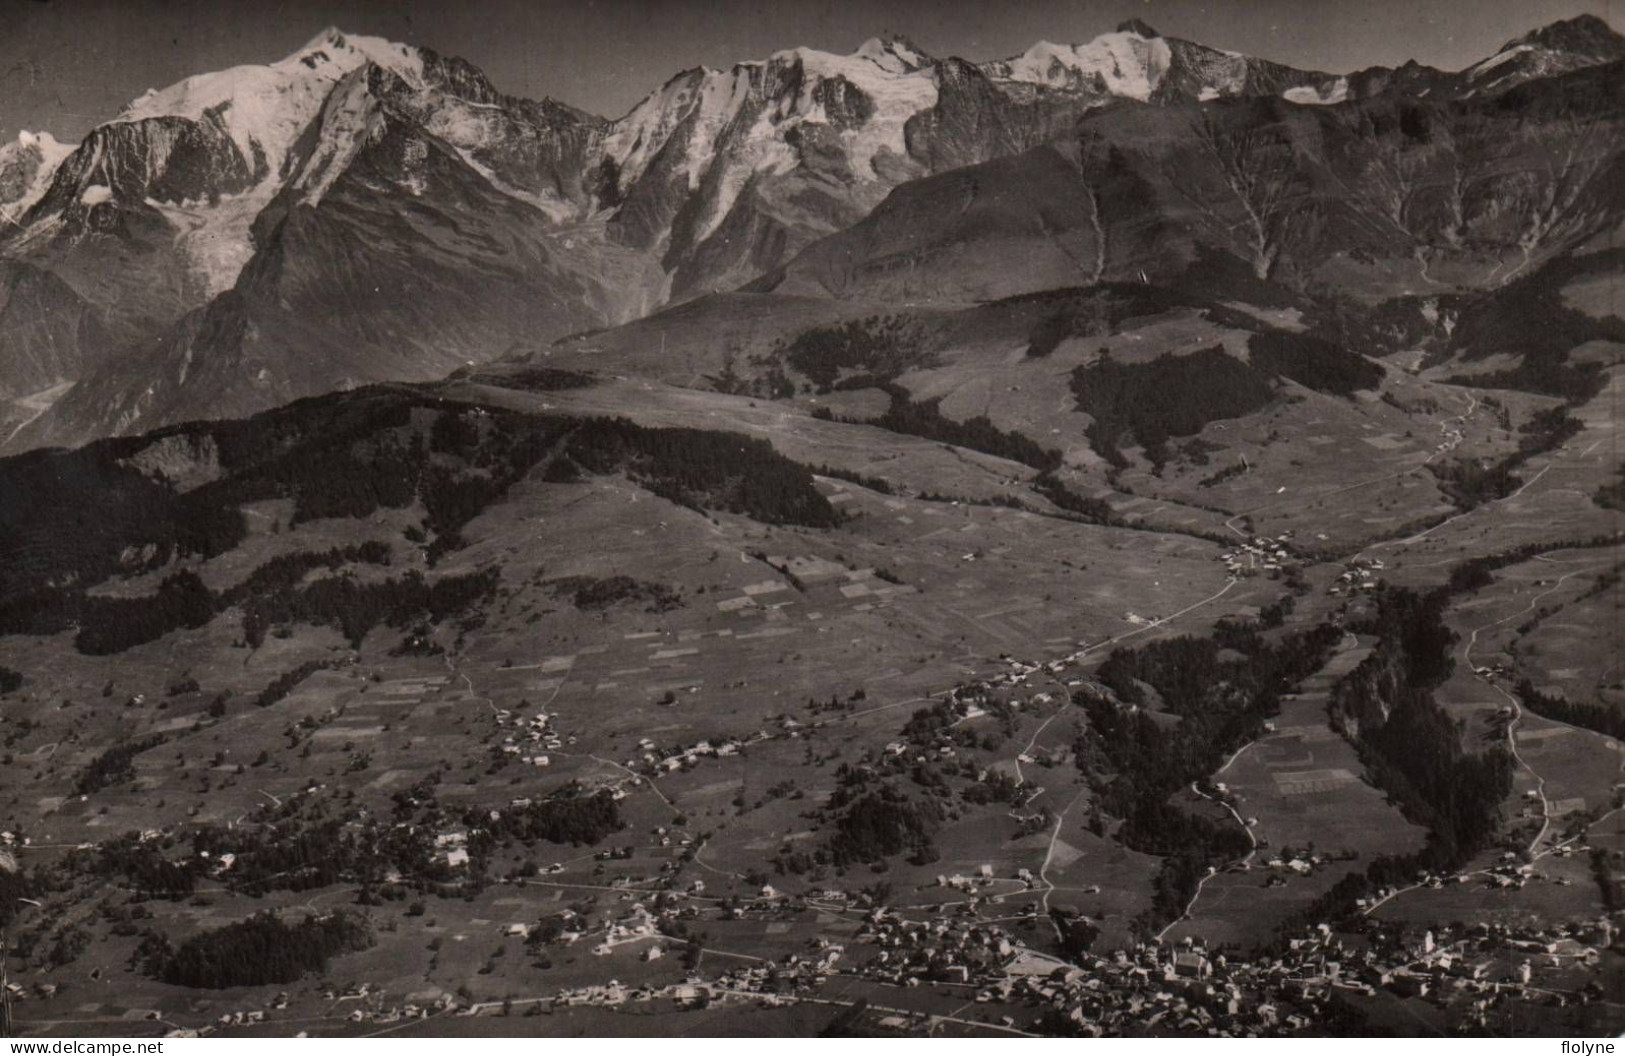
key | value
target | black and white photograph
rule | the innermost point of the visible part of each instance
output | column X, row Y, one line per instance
column 811, row 519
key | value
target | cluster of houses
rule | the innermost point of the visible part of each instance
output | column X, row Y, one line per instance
column 639, row 925
column 1359, row 574
column 1190, row 989
column 1187, row 989
column 910, row 952
column 1468, row 971
column 690, row 993
column 984, row 878
column 532, row 738
column 370, row 1007
column 1475, row 969
column 1260, row 553
column 452, row 848
column 654, row 760
column 1020, row 672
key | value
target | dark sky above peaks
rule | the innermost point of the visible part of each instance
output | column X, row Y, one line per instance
column 67, row 65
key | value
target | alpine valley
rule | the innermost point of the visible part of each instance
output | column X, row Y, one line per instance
column 1119, row 539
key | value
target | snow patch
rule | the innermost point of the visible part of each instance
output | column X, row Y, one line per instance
column 348, row 120
column 1309, row 95
column 270, row 106
column 636, row 139
column 556, row 209
column 214, row 238
column 720, row 100
column 1127, row 64
column 95, row 194
column 892, row 56
column 36, row 154
column 896, row 97
column 898, row 80
column 763, row 152
column 1480, row 69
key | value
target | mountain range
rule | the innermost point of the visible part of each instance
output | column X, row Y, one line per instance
column 1122, row 539
column 364, row 211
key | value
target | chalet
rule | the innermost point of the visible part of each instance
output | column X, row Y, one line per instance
column 1191, row 965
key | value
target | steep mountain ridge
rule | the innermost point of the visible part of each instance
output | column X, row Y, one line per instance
column 1561, row 47
column 432, row 220
column 1374, row 198
column 26, row 167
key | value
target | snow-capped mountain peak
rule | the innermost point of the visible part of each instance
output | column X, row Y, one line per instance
column 1557, row 48
column 264, row 109
column 348, row 48
column 1584, row 35
column 26, row 167
column 893, row 54
column 1123, row 63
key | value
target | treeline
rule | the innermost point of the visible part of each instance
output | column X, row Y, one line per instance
column 1091, row 314
column 285, row 571
column 567, row 816
column 1598, row 718
column 112, row 625
column 345, row 455
column 531, row 379
column 293, row 855
column 115, row 765
column 1478, row 572
column 1312, row 362
column 1170, row 396
column 80, row 517
column 1611, row 496
column 881, row 346
column 1411, row 748
column 702, row 469
column 466, row 459
column 354, row 607
column 1100, row 309
column 259, row 951
column 16, row 885
column 141, row 865
column 1235, row 469
column 1098, row 511
column 594, row 594
column 1470, row 482
column 1533, row 321
column 285, row 683
column 108, row 626
column 878, row 484
column 1222, row 688
column 91, row 513
column 924, row 418
column 1178, row 395
column 1093, row 510
column 881, row 824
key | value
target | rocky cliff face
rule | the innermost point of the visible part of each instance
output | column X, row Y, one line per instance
column 45, row 330
column 363, row 210
column 27, row 165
